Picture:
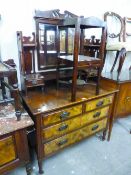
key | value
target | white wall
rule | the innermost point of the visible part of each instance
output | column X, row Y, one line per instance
column 18, row 15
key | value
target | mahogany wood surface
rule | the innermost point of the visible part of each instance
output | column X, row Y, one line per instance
column 53, row 99
column 109, row 82
column 79, row 24
column 26, row 51
column 60, row 123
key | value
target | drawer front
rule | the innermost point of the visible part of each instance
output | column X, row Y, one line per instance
column 62, row 128
column 93, row 128
column 99, row 103
column 62, row 115
column 34, row 82
column 73, row 137
column 61, row 142
column 7, row 150
column 94, row 115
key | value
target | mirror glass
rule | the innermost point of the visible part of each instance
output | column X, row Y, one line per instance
column 47, row 46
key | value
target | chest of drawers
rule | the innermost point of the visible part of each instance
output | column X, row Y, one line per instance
column 60, row 123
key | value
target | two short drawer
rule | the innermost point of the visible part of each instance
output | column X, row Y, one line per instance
column 67, row 113
column 7, row 150
column 73, row 137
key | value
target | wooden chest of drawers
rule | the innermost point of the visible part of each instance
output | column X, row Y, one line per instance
column 60, row 123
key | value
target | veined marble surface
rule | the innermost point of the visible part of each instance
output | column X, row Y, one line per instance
column 8, row 120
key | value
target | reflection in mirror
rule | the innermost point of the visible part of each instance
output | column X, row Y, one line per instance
column 47, row 46
column 67, row 41
column 51, row 41
column 41, row 36
column 71, row 33
column 62, row 41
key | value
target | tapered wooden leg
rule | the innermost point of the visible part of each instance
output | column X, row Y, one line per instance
column 40, row 167
column 113, row 114
column 28, row 169
column 104, row 134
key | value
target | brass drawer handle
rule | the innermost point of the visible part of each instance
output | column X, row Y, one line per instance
column 64, row 115
column 97, row 114
column 95, row 127
column 100, row 103
column 62, row 142
column 63, row 127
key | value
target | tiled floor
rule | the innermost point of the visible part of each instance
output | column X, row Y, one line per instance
column 91, row 156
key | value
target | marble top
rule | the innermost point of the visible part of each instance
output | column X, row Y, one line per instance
column 8, row 120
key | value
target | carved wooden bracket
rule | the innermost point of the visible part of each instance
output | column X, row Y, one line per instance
column 115, row 15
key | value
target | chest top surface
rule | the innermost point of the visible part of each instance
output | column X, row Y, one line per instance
column 39, row 102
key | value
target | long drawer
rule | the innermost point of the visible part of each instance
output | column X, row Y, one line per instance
column 7, row 150
column 61, row 128
column 94, row 104
column 62, row 115
column 73, row 137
